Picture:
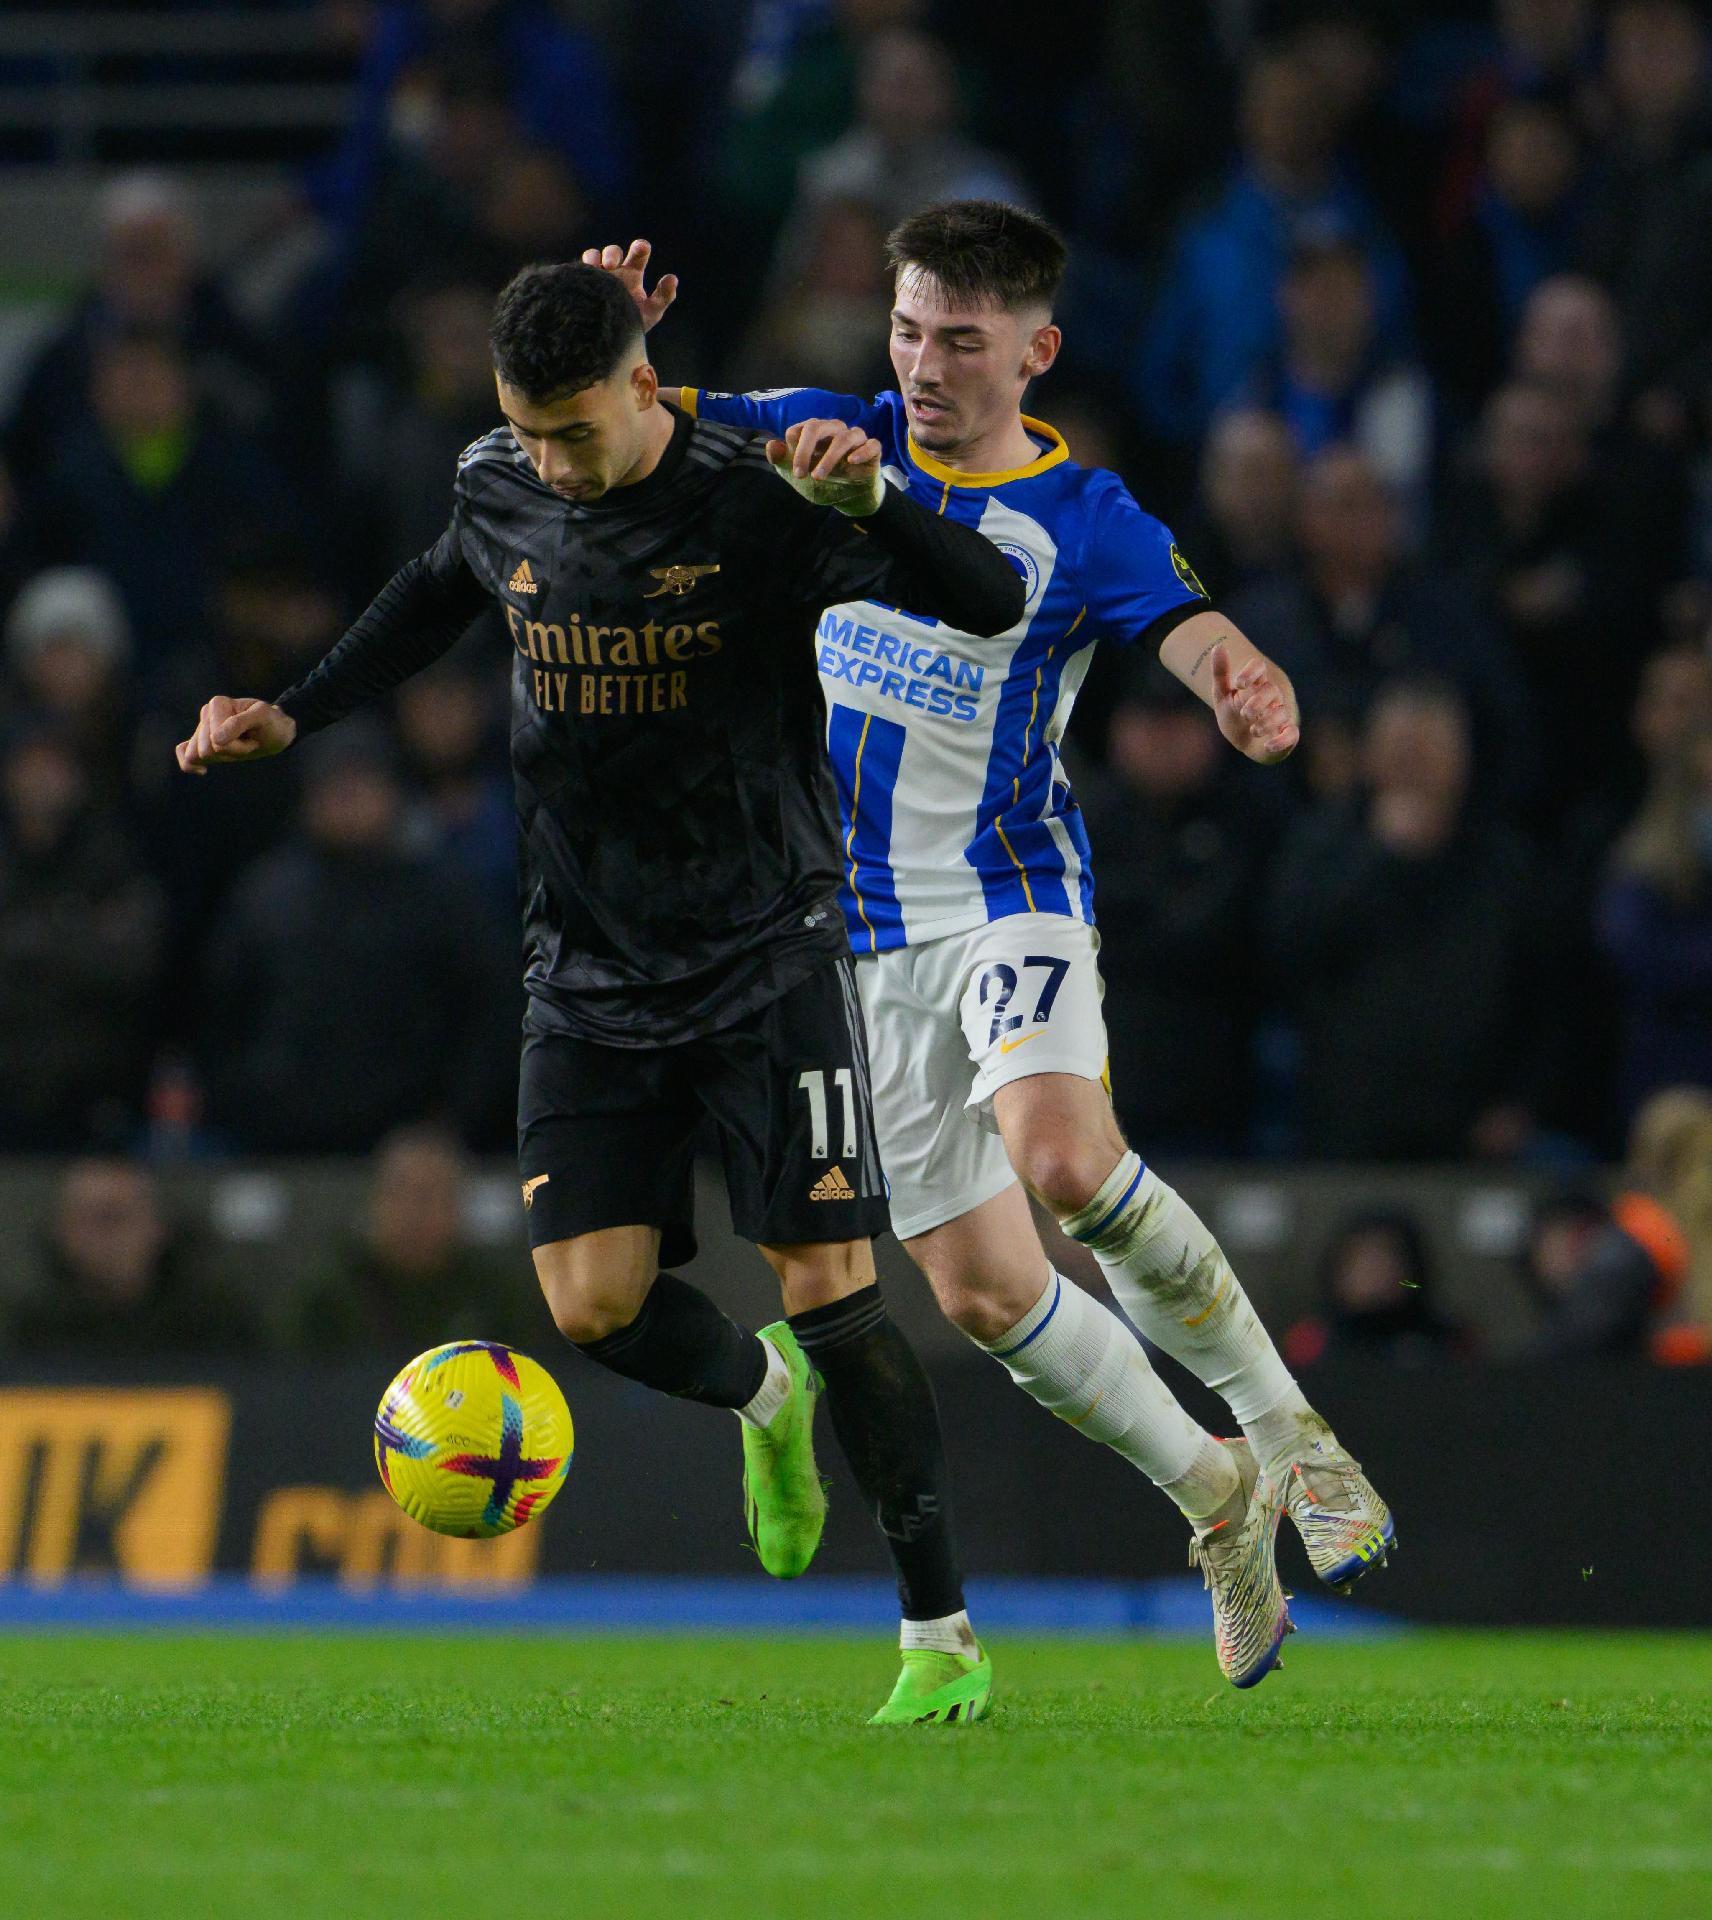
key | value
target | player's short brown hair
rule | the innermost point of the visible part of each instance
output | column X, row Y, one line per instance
column 981, row 253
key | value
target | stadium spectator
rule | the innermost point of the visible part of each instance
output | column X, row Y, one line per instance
column 1644, row 234
column 1332, row 379
column 400, row 438
column 793, row 89
column 1242, row 525
column 81, row 944
column 1571, row 341
column 828, row 326
column 904, row 151
column 450, row 732
column 539, row 61
column 273, row 618
column 1525, row 528
column 1184, row 837
column 1655, row 927
column 149, row 278
column 1353, row 613
column 67, row 651
column 410, row 1277
column 1634, row 1275
column 150, row 486
column 461, row 190
column 1519, row 230
column 1410, row 943
column 295, row 1061
column 120, row 1277
column 1546, row 50
column 1378, row 1289
column 1217, row 314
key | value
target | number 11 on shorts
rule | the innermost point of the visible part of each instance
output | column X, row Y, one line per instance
column 813, row 1083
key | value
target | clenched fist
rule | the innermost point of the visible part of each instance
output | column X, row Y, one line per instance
column 832, row 464
column 235, row 730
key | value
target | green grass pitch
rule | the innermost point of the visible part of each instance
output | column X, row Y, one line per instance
column 1430, row 1777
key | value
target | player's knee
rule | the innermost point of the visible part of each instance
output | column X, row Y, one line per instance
column 1061, row 1171
column 583, row 1316
column 973, row 1311
column 589, row 1298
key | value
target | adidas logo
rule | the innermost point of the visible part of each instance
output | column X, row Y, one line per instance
column 522, row 581
column 832, row 1185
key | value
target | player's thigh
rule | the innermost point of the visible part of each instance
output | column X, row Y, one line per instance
column 939, row 1164
column 787, row 1089
column 604, row 1140
column 818, row 1272
column 1061, row 1135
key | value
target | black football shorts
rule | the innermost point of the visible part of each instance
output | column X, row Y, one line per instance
column 605, row 1135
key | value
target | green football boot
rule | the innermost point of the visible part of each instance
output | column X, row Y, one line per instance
column 784, row 1498
column 943, row 1689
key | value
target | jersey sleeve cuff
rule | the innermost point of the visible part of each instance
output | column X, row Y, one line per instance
column 1154, row 633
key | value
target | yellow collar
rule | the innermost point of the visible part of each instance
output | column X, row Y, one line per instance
column 956, row 477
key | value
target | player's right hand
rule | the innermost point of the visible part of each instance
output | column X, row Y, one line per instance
column 630, row 267
column 235, row 730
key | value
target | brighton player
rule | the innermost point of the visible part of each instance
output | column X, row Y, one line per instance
column 969, row 897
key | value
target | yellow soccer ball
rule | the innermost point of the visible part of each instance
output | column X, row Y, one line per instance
column 473, row 1439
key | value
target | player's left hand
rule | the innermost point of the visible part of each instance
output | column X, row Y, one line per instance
column 832, row 464
column 1253, row 711
column 630, row 266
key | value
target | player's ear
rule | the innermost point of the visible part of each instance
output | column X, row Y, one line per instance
column 1042, row 350
column 645, row 385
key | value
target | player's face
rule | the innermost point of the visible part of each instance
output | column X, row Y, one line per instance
column 583, row 444
column 962, row 370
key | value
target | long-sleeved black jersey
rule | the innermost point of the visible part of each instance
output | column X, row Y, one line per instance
column 678, row 828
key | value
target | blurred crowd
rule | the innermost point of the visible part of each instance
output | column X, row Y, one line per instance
column 1400, row 316
column 125, row 1266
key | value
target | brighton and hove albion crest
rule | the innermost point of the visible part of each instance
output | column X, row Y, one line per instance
column 677, row 580
column 1025, row 564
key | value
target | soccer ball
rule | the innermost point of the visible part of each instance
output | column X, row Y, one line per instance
column 473, row 1439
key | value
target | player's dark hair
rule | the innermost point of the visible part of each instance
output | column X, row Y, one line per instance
column 559, row 329
column 982, row 253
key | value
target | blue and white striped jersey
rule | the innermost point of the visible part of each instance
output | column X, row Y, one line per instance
column 956, row 807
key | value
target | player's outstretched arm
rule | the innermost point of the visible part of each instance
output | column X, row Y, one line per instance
column 893, row 550
column 232, row 730
column 1251, row 697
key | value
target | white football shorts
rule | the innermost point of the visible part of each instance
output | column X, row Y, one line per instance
column 952, row 1021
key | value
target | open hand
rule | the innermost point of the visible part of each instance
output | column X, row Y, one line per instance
column 1253, row 711
column 232, row 730
column 630, row 267
column 832, row 464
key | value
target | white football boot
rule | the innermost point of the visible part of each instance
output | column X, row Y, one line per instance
column 1237, row 1562
column 1346, row 1527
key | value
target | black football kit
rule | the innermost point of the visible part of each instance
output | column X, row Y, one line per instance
column 684, row 949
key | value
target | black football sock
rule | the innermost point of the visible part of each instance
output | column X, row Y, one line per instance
column 680, row 1343
column 887, row 1424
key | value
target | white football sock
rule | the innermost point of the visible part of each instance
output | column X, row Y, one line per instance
column 1173, row 1281
column 1081, row 1362
column 773, row 1392
column 951, row 1633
